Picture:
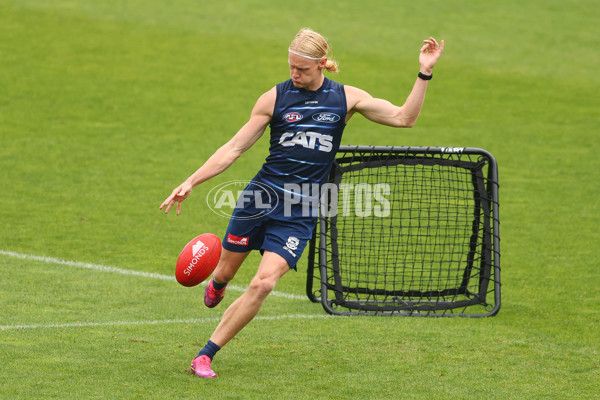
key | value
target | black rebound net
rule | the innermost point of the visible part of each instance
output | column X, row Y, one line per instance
column 408, row 231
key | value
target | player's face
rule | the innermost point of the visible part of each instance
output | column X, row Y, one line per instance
column 305, row 73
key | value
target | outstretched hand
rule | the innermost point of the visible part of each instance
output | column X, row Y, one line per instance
column 430, row 52
column 177, row 196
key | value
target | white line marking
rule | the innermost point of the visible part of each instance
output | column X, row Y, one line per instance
column 157, row 322
column 107, row 268
column 95, row 267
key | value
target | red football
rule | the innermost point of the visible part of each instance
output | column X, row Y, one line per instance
column 198, row 259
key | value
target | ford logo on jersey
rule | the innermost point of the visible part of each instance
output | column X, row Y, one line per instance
column 292, row 117
column 326, row 117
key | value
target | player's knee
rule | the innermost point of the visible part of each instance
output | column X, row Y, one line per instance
column 262, row 286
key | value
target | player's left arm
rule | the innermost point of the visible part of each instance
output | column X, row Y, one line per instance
column 386, row 113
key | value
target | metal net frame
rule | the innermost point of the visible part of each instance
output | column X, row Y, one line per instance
column 408, row 231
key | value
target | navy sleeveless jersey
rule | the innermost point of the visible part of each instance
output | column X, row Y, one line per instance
column 306, row 131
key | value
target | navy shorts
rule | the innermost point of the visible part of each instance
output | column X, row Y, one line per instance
column 288, row 238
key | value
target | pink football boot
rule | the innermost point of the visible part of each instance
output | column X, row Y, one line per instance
column 212, row 296
column 201, row 367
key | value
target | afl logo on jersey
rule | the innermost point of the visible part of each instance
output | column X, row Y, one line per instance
column 329, row 118
column 292, row 117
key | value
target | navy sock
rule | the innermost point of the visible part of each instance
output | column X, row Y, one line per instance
column 218, row 285
column 209, row 350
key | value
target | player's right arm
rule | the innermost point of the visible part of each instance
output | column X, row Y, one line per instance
column 227, row 154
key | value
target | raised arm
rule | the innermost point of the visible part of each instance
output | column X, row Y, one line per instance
column 226, row 155
column 386, row 113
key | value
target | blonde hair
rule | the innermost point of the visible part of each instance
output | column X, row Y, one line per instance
column 313, row 45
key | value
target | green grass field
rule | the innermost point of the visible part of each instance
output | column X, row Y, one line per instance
column 106, row 106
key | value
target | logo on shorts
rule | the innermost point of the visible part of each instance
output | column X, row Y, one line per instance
column 240, row 241
column 292, row 245
column 292, row 117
